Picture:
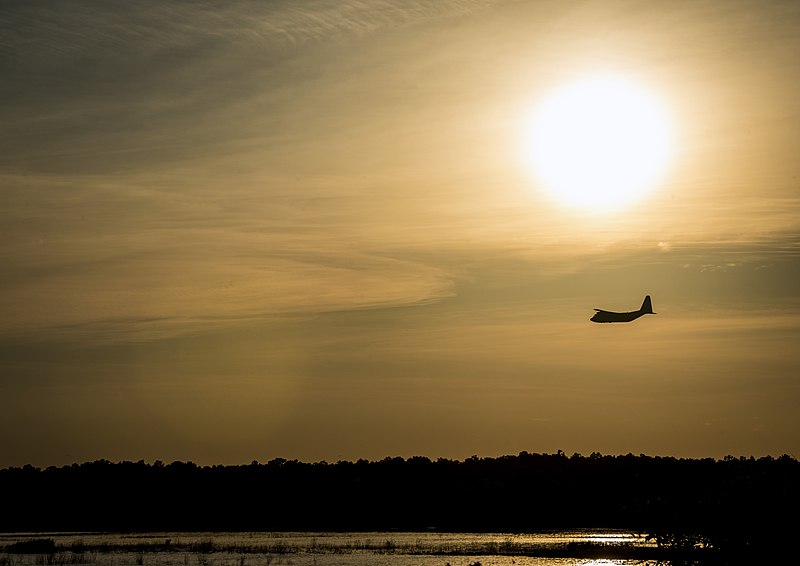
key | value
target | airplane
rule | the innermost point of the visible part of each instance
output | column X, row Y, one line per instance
column 609, row 316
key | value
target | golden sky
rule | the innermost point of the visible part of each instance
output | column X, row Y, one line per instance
column 248, row 229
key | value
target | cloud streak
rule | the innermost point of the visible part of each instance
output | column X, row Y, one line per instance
column 231, row 225
column 99, row 257
column 91, row 28
column 180, row 165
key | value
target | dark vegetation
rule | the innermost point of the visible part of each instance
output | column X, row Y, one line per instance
column 76, row 552
column 734, row 507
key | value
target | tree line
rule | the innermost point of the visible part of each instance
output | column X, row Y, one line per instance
column 734, row 502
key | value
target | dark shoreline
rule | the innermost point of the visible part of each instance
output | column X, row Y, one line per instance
column 732, row 507
column 582, row 549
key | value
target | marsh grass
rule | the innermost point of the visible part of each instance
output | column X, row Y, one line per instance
column 50, row 553
column 32, row 546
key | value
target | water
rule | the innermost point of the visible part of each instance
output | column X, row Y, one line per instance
column 311, row 549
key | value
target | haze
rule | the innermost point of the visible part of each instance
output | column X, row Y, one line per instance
column 235, row 231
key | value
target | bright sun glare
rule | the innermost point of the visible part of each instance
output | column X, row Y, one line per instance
column 599, row 144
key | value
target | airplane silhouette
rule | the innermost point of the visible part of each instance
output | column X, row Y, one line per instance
column 610, row 316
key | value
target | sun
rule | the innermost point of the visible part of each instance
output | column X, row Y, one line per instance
column 599, row 144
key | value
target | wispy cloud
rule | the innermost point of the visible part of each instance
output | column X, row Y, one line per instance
column 166, row 81
column 94, row 28
column 173, row 166
column 155, row 263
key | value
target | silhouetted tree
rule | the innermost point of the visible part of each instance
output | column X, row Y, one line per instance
column 733, row 505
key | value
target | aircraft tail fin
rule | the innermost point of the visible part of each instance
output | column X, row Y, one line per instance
column 647, row 306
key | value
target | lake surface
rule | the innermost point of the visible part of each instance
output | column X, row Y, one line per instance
column 310, row 549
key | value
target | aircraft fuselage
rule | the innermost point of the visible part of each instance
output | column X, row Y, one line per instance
column 611, row 316
column 608, row 316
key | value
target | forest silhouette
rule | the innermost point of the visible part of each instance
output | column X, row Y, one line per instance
column 736, row 504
